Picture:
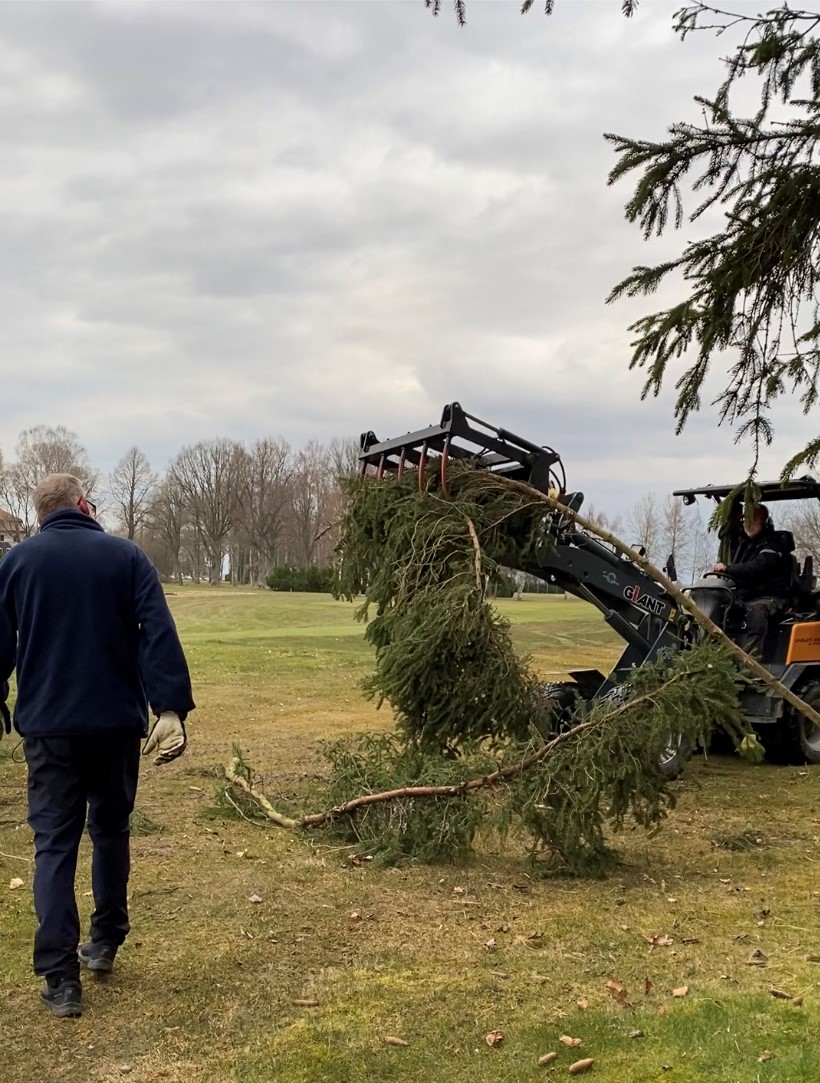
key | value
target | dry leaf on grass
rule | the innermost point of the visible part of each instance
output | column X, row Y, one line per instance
column 757, row 958
column 306, row 1002
column 581, row 1066
column 767, row 1054
column 490, row 945
column 569, row 1042
column 780, row 994
column 647, row 986
column 255, row 898
column 582, row 1003
column 547, row 1058
column 659, row 941
column 391, row 1039
column 681, row 991
column 495, row 1037
column 619, row 993
column 15, row 883
column 530, row 940
column 797, row 1001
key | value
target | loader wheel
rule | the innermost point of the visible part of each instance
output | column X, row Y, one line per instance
column 780, row 740
column 555, row 705
column 675, row 755
column 808, row 734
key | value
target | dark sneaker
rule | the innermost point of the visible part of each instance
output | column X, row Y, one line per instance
column 97, row 955
column 64, row 998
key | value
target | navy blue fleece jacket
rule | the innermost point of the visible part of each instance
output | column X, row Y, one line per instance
column 84, row 620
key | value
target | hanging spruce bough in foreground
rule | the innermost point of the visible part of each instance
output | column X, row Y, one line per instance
column 747, row 291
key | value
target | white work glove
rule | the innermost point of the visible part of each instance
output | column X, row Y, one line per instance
column 167, row 738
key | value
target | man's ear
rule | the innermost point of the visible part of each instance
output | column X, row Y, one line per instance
column 82, row 504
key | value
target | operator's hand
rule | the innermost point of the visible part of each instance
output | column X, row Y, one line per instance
column 167, row 738
column 719, row 567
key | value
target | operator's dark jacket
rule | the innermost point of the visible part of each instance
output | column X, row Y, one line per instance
column 762, row 566
column 84, row 619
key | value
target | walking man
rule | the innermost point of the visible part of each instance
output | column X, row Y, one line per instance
column 84, row 620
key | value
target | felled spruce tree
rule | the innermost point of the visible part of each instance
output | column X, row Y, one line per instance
column 445, row 662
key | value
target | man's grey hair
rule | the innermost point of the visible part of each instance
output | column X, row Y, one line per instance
column 56, row 492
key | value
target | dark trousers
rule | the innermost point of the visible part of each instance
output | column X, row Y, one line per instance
column 67, row 778
column 759, row 612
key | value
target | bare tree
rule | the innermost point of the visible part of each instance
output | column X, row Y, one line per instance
column 343, row 456
column 16, row 499
column 612, row 523
column 644, row 524
column 39, row 451
column 804, row 522
column 130, row 485
column 166, row 521
column 208, row 475
column 265, row 486
column 312, row 506
column 675, row 533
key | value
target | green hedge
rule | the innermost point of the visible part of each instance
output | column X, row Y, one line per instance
column 312, row 580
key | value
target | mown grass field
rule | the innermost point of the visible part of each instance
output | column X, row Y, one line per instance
column 208, row 987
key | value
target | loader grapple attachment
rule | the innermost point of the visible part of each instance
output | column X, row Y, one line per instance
column 460, row 435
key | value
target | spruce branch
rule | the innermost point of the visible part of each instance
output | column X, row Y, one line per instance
column 750, row 288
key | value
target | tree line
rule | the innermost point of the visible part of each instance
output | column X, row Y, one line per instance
column 251, row 510
column 221, row 507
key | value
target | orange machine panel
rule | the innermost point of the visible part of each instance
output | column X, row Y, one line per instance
column 804, row 645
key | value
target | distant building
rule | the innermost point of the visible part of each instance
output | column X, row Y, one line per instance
column 11, row 530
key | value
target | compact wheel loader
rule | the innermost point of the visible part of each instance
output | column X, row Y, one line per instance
column 635, row 606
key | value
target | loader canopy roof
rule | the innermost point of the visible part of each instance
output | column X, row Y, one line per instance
column 805, row 488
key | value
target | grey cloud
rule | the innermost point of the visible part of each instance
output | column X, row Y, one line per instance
column 310, row 220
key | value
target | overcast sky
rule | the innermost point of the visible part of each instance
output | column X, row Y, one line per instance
column 307, row 219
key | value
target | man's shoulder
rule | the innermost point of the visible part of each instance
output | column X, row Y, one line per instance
column 123, row 549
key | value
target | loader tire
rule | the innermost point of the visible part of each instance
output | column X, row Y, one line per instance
column 807, row 734
column 556, row 703
column 794, row 740
column 675, row 755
